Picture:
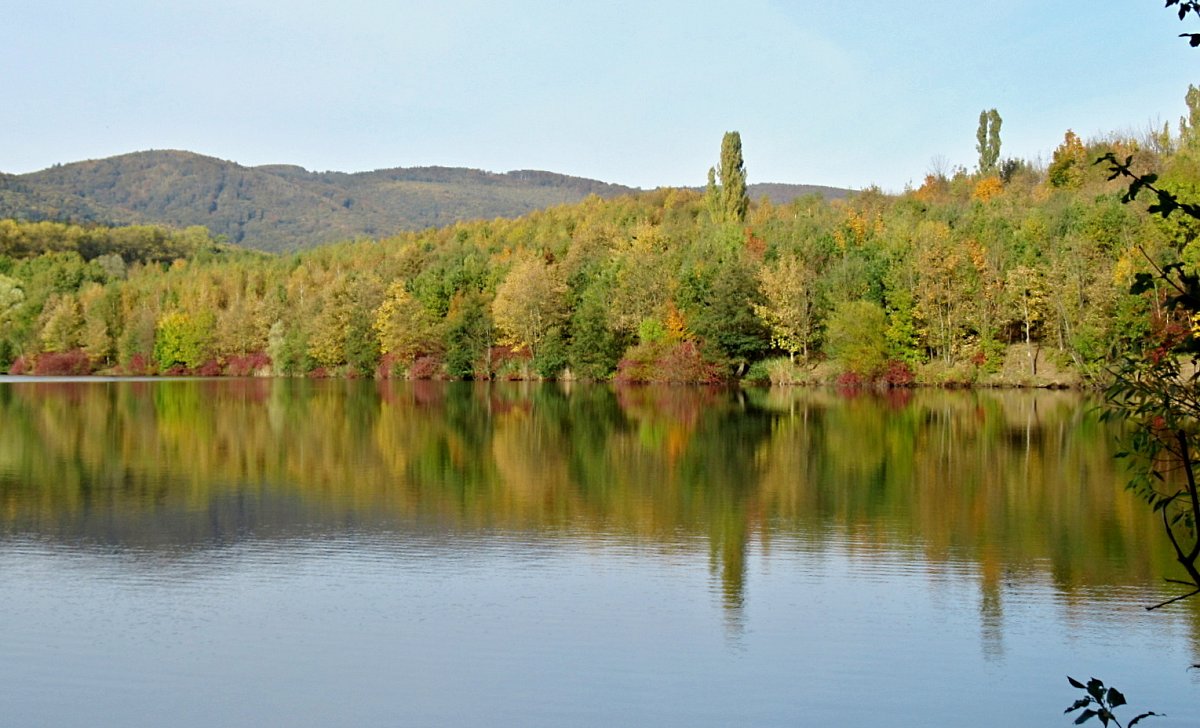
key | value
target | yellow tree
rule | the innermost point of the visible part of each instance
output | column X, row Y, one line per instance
column 1068, row 163
column 12, row 296
column 98, row 311
column 530, row 303
column 62, row 324
column 945, row 287
column 1026, row 289
column 642, row 280
column 404, row 326
column 790, row 308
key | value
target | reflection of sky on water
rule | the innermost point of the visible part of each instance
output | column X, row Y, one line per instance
column 500, row 630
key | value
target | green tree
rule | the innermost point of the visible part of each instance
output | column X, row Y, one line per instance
column 595, row 348
column 733, row 195
column 182, row 339
column 470, row 335
column 712, row 197
column 857, row 337
column 12, row 295
column 988, row 141
column 1189, row 126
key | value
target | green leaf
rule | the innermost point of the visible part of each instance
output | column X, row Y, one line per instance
column 1085, row 716
column 1095, row 688
column 1075, row 683
column 1147, row 714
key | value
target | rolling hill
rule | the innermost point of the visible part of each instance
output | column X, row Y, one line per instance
column 285, row 207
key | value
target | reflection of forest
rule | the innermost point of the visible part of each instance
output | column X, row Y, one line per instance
column 1017, row 484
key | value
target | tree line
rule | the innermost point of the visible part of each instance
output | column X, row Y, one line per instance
column 1011, row 272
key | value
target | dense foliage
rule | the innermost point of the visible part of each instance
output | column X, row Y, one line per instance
column 1022, row 276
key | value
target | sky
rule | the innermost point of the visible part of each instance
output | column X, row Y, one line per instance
column 875, row 92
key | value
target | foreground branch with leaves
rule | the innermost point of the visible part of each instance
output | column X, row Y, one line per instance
column 1156, row 390
column 1100, row 702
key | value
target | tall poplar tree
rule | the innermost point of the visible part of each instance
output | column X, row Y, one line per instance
column 734, row 199
column 988, row 138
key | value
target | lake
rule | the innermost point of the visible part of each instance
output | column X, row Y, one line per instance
column 357, row 553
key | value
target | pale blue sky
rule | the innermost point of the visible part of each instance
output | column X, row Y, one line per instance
column 846, row 94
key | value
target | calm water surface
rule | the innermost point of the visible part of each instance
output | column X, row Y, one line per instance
column 247, row 553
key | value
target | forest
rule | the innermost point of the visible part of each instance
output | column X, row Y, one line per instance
column 1014, row 272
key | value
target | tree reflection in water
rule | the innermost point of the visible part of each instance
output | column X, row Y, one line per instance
column 1017, row 486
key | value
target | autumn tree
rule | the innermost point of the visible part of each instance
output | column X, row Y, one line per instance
column 945, row 281
column 1068, row 163
column 62, row 322
column 342, row 333
column 1026, row 293
column 789, row 310
column 530, row 305
column 99, row 309
column 642, row 279
column 405, row 327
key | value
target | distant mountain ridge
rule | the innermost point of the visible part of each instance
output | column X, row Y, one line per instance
column 281, row 207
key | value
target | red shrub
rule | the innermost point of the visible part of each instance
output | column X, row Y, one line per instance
column 246, row 365
column 637, row 366
column 683, row 363
column 425, row 367
column 679, row 363
column 389, row 366
column 139, row 365
column 849, row 383
column 898, row 374
column 66, row 363
column 21, row 365
column 210, row 368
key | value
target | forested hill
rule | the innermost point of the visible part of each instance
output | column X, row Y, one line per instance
column 285, row 207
